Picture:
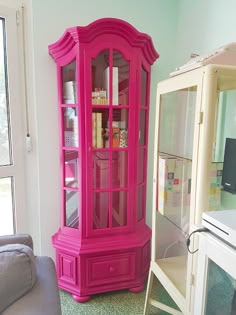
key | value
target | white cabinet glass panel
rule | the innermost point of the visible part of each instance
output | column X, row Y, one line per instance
column 216, row 277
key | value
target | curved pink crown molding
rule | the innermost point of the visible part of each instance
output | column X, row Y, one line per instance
column 84, row 34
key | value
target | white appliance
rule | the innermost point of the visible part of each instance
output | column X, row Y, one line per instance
column 222, row 223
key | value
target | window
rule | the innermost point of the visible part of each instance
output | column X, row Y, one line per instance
column 12, row 196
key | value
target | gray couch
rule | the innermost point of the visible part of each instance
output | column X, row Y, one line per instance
column 28, row 283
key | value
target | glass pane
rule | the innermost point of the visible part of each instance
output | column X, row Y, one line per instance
column 222, row 191
column 220, row 291
column 71, row 135
column 71, row 168
column 174, row 188
column 5, row 149
column 119, row 169
column 140, row 202
column 100, row 128
column 141, row 166
column 69, row 83
column 120, row 80
column 142, row 127
column 100, row 72
column 119, row 128
column 143, row 87
column 119, row 208
column 177, row 122
column 177, row 117
column 72, row 210
column 6, row 207
column 101, row 170
column 100, row 210
column 172, row 254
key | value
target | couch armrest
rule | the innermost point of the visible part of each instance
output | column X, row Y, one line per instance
column 25, row 239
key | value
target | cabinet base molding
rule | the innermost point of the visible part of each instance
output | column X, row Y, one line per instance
column 109, row 268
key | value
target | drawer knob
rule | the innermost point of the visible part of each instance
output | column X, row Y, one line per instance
column 111, row 269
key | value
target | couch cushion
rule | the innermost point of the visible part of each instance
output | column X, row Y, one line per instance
column 17, row 273
column 44, row 297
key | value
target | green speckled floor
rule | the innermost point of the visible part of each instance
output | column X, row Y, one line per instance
column 116, row 303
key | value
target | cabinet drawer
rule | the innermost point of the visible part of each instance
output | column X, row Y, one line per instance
column 110, row 269
column 66, row 268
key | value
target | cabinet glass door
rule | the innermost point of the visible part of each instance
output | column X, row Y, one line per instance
column 109, row 132
column 222, row 191
column 142, row 145
column 215, row 292
column 220, row 291
column 70, row 145
column 175, row 152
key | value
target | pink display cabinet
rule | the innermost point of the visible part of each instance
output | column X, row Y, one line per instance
column 103, row 73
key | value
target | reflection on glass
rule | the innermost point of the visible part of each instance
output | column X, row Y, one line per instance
column 141, row 165
column 120, row 79
column 142, row 127
column 220, row 291
column 100, row 128
column 71, row 209
column 101, row 170
column 215, row 190
column 174, row 189
column 177, row 119
column 119, row 208
column 100, row 210
column 225, row 127
column 143, row 87
column 119, row 169
column 172, row 254
column 6, row 206
column 225, row 123
column 177, row 114
column 5, row 147
column 100, row 72
column 71, row 136
column 69, row 83
column 119, row 128
column 140, row 203
column 71, row 168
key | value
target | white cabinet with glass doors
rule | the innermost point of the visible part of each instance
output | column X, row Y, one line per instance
column 196, row 113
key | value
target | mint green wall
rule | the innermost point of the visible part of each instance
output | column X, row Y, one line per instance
column 204, row 25
column 177, row 27
column 158, row 18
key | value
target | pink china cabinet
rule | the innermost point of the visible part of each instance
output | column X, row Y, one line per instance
column 103, row 73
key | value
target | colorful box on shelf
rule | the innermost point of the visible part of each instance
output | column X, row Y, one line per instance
column 174, row 177
column 174, row 181
column 99, row 97
column 97, row 130
column 215, row 186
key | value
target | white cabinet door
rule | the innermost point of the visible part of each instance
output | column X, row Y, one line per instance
column 216, row 273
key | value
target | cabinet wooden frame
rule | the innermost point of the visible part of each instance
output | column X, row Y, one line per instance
column 103, row 234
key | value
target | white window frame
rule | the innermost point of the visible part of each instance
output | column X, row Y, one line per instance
column 15, row 79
